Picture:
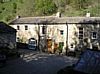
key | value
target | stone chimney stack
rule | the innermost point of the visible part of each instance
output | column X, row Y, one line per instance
column 58, row 14
column 17, row 17
column 87, row 14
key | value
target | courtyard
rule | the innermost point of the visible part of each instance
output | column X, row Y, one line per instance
column 35, row 62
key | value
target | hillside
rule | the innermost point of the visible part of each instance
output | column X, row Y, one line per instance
column 9, row 9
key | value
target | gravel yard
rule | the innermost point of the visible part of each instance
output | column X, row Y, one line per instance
column 33, row 62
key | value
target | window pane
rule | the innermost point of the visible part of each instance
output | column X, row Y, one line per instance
column 26, row 27
column 80, row 28
column 94, row 35
column 80, row 32
column 18, row 28
column 61, row 32
column 44, row 30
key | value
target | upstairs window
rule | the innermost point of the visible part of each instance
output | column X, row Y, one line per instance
column 18, row 27
column 94, row 35
column 81, row 33
column 61, row 32
column 43, row 29
column 26, row 27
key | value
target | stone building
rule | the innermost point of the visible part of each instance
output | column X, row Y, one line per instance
column 64, row 32
column 7, row 36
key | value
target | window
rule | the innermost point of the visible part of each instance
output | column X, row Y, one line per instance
column 43, row 29
column 26, row 27
column 18, row 39
column 81, row 33
column 71, row 45
column 94, row 35
column 18, row 27
column 61, row 32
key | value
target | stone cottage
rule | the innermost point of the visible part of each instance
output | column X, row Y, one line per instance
column 54, row 32
column 7, row 36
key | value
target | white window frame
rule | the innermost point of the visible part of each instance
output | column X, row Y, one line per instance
column 18, row 27
column 26, row 27
column 93, row 35
column 80, row 34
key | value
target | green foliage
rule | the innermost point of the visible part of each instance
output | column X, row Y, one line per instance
column 14, row 5
column 81, row 4
column 61, row 4
column 9, row 9
column 61, row 44
column 1, row 1
column 21, row 1
column 45, row 7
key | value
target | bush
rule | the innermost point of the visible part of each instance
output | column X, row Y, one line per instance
column 45, row 7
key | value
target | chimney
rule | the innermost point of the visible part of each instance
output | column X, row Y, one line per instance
column 17, row 17
column 87, row 14
column 58, row 14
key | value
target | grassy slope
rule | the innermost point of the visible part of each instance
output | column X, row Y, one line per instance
column 26, row 8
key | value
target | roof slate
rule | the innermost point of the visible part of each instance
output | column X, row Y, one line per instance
column 46, row 19
column 4, row 28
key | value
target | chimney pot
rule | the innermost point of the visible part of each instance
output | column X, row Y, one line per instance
column 87, row 14
column 58, row 14
column 17, row 17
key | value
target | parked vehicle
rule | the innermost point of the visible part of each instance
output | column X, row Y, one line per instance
column 32, row 44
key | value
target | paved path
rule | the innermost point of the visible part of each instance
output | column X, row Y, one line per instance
column 36, row 63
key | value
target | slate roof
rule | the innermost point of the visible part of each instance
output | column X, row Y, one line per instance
column 4, row 28
column 53, row 20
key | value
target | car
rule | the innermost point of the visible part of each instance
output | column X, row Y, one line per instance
column 32, row 44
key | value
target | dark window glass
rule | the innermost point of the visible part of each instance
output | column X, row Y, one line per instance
column 26, row 27
column 80, row 28
column 71, row 45
column 94, row 35
column 44, row 30
column 61, row 32
column 80, row 32
column 18, row 28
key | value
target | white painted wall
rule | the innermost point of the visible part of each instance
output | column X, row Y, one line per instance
column 72, row 28
column 27, row 34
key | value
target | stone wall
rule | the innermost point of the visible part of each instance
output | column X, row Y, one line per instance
column 8, row 40
column 25, row 35
column 53, row 32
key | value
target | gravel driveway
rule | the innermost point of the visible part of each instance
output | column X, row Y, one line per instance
column 33, row 62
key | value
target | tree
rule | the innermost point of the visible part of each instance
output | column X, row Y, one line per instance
column 80, row 4
column 45, row 7
column 61, row 4
column 1, row 1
